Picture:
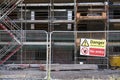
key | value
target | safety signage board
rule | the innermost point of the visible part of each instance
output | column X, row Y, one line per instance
column 93, row 47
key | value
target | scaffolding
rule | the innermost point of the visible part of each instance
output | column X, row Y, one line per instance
column 10, row 49
column 22, row 21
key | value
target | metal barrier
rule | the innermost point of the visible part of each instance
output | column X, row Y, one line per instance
column 62, row 56
column 65, row 49
column 33, row 53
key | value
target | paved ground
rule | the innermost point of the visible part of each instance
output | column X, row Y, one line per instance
column 36, row 74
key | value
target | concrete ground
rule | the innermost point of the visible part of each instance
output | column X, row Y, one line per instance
column 36, row 74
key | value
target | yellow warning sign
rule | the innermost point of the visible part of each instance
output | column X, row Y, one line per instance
column 85, row 43
column 98, row 43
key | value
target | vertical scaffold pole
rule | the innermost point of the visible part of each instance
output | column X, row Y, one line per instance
column 75, row 31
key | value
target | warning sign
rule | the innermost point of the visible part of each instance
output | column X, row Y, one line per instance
column 97, row 43
column 93, row 47
column 85, row 43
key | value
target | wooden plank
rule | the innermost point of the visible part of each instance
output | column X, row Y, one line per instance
column 91, row 17
column 99, row 17
column 59, row 67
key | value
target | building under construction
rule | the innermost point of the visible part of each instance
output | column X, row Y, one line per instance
column 30, row 29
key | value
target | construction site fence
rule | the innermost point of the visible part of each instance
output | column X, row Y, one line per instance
column 60, row 50
column 65, row 50
column 33, row 52
column 63, row 45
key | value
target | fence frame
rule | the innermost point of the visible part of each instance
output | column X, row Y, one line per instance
column 50, row 44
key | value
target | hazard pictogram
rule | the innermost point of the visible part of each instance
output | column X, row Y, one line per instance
column 85, row 43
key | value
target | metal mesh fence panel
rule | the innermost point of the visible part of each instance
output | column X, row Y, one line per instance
column 65, row 51
column 33, row 53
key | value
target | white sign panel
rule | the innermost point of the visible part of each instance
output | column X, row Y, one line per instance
column 93, row 47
